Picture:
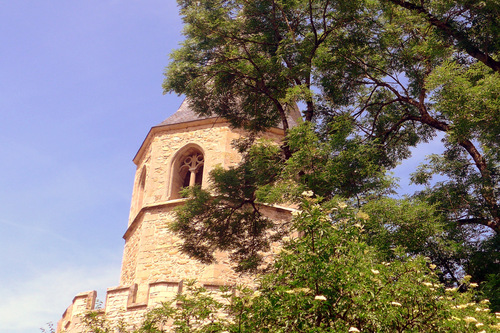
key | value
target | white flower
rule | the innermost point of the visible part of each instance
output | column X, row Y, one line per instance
column 470, row 319
column 374, row 271
column 428, row 284
column 342, row 205
column 303, row 290
column 479, row 324
column 320, row 297
column 222, row 315
column 485, row 301
column 362, row 215
column 396, row 303
column 308, row 193
column 359, row 225
column 473, row 285
column 353, row 329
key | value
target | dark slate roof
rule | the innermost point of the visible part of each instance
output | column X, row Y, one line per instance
column 182, row 115
column 186, row 114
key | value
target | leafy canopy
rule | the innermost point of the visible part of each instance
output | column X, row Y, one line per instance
column 373, row 79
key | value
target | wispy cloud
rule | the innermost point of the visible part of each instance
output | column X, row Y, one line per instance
column 28, row 305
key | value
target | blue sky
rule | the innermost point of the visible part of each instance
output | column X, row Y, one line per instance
column 80, row 87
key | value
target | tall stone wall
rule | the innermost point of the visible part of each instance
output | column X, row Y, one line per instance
column 159, row 151
column 152, row 254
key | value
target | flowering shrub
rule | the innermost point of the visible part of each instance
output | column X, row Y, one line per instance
column 330, row 280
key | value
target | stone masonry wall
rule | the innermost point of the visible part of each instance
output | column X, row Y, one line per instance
column 152, row 254
column 158, row 156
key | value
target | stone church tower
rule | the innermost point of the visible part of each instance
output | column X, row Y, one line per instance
column 179, row 152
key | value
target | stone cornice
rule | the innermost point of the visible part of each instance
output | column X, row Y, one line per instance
column 177, row 202
column 140, row 214
column 185, row 125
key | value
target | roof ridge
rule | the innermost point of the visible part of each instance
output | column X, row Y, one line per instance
column 186, row 114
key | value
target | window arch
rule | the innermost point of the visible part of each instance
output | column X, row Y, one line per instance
column 187, row 169
column 139, row 197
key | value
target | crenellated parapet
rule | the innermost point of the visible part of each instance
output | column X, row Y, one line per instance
column 121, row 304
column 82, row 303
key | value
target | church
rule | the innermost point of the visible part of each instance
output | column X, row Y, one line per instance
column 180, row 151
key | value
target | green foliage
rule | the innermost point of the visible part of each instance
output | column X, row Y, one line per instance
column 393, row 72
column 470, row 97
column 95, row 321
column 229, row 217
column 412, row 225
column 329, row 279
column 491, row 290
column 195, row 310
column 373, row 79
column 337, row 163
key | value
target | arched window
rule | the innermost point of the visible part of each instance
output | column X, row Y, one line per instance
column 187, row 169
column 140, row 189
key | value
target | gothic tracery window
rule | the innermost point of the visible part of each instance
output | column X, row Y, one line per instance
column 187, row 169
column 192, row 170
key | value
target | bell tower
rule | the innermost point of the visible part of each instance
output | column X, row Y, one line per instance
column 181, row 151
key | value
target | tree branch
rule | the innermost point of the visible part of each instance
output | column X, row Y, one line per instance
column 462, row 41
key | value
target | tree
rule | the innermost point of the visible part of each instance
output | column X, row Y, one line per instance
column 398, row 75
column 373, row 79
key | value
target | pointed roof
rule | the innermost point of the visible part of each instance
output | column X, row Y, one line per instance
column 185, row 114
